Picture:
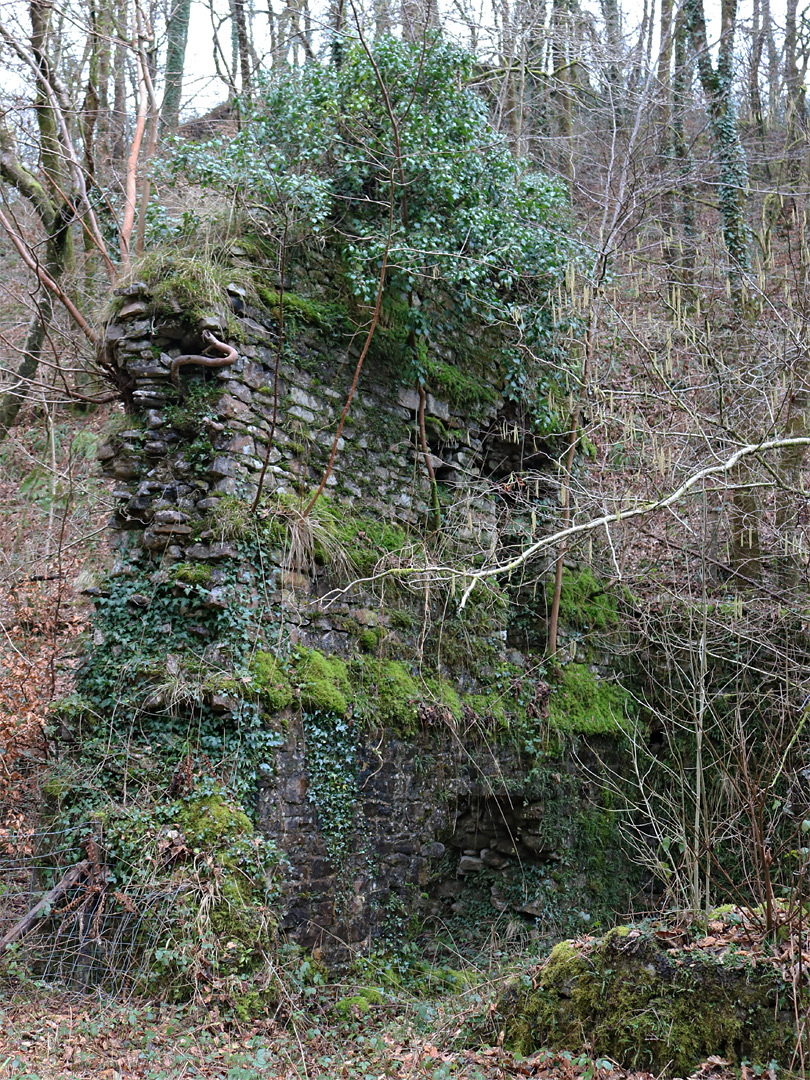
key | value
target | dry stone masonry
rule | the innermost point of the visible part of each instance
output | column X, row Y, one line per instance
column 440, row 802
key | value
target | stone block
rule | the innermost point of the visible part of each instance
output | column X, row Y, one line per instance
column 435, row 407
column 254, row 375
column 493, row 859
column 148, row 399
column 301, row 397
column 239, row 391
column 241, row 444
column 198, row 552
column 222, row 466
column 132, row 309
column 229, row 408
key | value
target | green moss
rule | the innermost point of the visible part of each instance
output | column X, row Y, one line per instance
column 585, row 603
column 495, row 705
column 647, row 1008
column 366, row 540
column 338, row 536
column 403, row 620
column 323, row 681
column 443, row 693
column 564, row 963
column 584, row 705
column 192, row 574
column 360, row 1002
column 271, row 681
column 390, row 693
column 311, row 312
column 211, row 819
column 369, row 640
column 617, row 933
column 456, row 386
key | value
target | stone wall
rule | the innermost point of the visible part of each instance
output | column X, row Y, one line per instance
column 442, row 800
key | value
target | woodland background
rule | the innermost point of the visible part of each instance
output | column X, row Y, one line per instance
column 677, row 396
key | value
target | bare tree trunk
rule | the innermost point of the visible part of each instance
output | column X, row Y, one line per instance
column 243, row 46
column 773, row 60
column 119, row 125
column 790, row 473
column 683, row 157
column 13, row 397
column 757, row 45
column 417, row 17
column 58, row 258
column 667, row 149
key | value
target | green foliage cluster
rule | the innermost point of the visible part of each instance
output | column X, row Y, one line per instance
column 475, row 231
column 651, row 1009
column 167, row 773
column 331, row 758
column 200, row 882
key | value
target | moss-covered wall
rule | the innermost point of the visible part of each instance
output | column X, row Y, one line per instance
column 394, row 752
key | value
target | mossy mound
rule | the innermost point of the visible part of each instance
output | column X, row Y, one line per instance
column 650, row 1008
column 271, row 681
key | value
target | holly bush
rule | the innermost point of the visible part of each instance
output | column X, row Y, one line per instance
column 392, row 148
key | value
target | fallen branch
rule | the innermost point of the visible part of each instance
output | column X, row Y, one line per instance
column 474, row 576
column 623, row 515
column 53, row 896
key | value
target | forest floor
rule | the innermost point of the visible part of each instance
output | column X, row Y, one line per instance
column 46, row 1035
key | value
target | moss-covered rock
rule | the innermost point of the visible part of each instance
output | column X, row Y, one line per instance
column 585, row 603
column 633, row 1000
column 369, row 639
column 388, row 693
column 359, row 1003
column 187, row 573
column 212, row 819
